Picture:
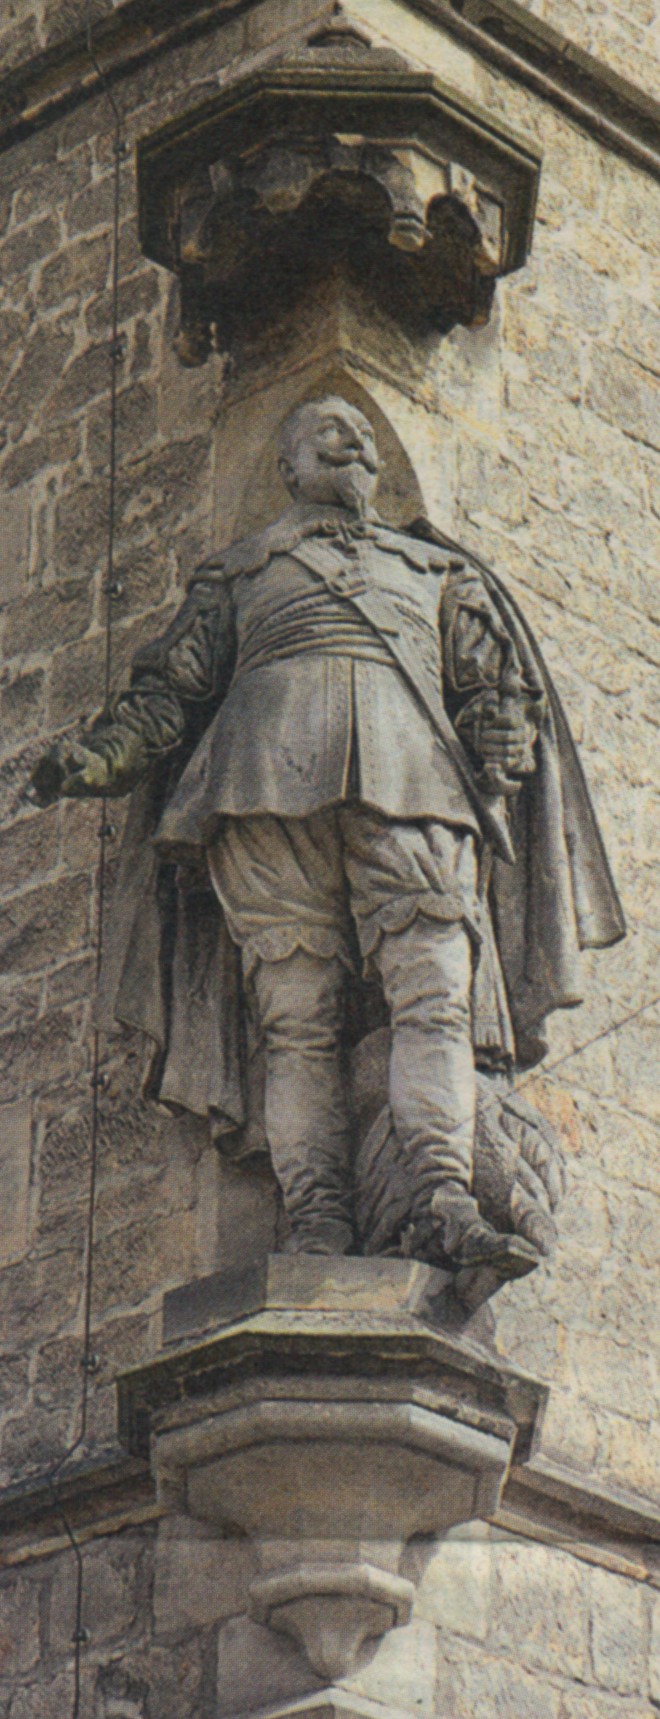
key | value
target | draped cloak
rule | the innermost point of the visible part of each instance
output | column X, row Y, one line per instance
column 170, row 967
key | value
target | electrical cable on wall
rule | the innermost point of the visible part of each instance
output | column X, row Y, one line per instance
column 111, row 589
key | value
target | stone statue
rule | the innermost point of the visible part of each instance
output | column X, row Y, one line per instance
column 349, row 730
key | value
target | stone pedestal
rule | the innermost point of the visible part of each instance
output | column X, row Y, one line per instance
column 326, row 1410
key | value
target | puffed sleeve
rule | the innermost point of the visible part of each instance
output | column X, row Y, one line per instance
column 188, row 666
column 481, row 662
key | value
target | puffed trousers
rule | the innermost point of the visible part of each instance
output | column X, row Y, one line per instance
column 289, row 889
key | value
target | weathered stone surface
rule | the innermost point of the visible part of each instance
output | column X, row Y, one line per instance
column 200, row 1578
column 19, row 1625
column 41, row 924
column 624, row 394
column 15, row 1164
column 20, row 251
column 455, row 1589
column 654, row 1669
column 47, row 618
column 257, row 1668
column 111, row 1593
column 14, row 545
column 22, row 705
column 541, row 1609
column 403, row 1670
column 618, row 1633
column 479, row 1687
column 55, row 1040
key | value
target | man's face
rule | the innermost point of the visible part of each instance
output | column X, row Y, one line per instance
column 333, row 457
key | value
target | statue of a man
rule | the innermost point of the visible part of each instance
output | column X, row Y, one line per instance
column 351, row 727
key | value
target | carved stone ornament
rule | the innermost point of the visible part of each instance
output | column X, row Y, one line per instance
column 342, row 160
column 335, row 1421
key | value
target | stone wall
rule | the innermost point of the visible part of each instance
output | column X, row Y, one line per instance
column 541, row 452
column 503, row 1630
column 622, row 34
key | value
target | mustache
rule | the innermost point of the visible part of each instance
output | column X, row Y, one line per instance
column 340, row 462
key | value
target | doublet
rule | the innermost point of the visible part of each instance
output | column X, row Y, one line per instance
column 304, row 705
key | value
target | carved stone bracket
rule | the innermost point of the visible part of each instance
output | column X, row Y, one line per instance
column 330, row 1425
column 343, row 160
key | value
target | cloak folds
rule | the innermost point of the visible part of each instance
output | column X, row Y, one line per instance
column 171, row 969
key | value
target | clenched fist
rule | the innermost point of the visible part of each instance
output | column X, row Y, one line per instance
column 505, row 742
column 69, row 770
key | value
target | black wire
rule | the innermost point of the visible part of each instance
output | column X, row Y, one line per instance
column 88, row 1360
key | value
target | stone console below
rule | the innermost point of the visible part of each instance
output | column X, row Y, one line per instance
column 334, row 1412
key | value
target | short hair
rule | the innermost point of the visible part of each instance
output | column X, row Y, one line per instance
column 294, row 423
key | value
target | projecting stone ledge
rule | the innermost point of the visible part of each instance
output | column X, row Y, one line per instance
column 329, row 1416
column 340, row 163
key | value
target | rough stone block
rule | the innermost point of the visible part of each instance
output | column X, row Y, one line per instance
column 137, row 296
column 50, row 185
column 21, row 250
column 74, row 272
column 162, row 490
column 164, row 1682
column 22, row 706
column 44, row 353
column 257, row 1668
column 38, row 1295
column 14, row 545
column 80, row 528
column 626, row 395
column 654, row 1665
column 19, row 1625
column 143, row 1259
column 45, row 619
column 136, row 429
column 110, row 1593
column 34, row 454
column 15, row 1161
column 77, row 679
column 52, row 1699
column 569, row 1430
column 596, row 1704
column 402, row 1670
column 540, row 1608
column 43, row 924
column 200, row 1578
column 480, row 1686
column 455, row 1590
column 93, row 207
column 83, row 380
column 50, row 1046
column 618, row 1633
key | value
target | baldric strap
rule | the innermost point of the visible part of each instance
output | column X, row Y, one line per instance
column 375, row 607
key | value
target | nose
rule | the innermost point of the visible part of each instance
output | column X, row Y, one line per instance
column 353, row 441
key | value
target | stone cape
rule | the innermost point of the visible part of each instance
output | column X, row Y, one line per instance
column 171, row 969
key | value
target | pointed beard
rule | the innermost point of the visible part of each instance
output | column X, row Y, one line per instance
column 353, row 486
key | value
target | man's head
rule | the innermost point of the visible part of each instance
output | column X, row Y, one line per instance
column 328, row 454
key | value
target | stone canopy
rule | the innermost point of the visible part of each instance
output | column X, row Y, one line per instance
column 341, row 160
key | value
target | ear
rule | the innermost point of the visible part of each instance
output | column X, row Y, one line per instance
column 288, row 475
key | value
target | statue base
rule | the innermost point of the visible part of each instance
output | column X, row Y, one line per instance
column 326, row 1410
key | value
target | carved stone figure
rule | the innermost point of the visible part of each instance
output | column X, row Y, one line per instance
column 349, row 729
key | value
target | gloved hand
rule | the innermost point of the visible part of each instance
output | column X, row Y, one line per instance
column 68, row 770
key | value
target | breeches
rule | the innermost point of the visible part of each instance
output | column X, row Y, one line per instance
column 289, row 889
